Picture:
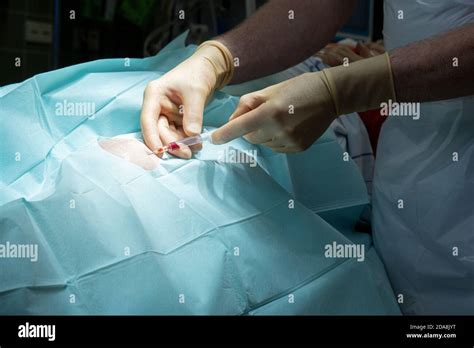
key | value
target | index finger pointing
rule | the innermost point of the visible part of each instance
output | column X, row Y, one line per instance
column 237, row 127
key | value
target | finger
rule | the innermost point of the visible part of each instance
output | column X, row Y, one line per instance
column 169, row 108
column 246, row 103
column 149, row 120
column 239, row 110
column 364, row 51
column 337, row 55
column 258, row 137
column 173, row 115
column 193, row 113
column 377, row 47
column 196, row 148
column 240, row 126
column 181, row 135
column 287, row 148
column 321, row 54
column 327, row 55
column 169, row 135
column 332, row 59
column 179, row 131
column 346, row 52
column 280, row 141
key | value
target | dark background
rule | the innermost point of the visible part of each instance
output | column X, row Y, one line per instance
column 124, row 28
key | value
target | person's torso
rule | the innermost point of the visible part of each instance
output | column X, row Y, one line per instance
column 407, row 21
column 424, row 178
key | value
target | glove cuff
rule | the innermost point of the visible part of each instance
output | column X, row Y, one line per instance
column 222, row 63
column 362, row 85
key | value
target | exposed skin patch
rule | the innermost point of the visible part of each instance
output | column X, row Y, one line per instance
column 131, row 150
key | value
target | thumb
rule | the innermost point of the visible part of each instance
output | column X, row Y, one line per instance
column 193, row 104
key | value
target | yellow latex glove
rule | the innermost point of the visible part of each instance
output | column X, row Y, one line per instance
column 292, row 115
column 173, row 105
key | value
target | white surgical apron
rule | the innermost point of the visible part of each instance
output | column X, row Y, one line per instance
column 423, row 193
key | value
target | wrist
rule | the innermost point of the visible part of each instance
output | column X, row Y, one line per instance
column 362, row 85
column 219, row 58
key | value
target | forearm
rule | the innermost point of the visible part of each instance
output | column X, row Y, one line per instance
column 271, row 41
column 435, row 69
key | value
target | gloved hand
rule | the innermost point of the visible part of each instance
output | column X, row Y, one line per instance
column 292, row 115
column 173, row 105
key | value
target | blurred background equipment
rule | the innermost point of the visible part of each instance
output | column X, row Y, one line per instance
column 366, row 22
column 41, row 35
